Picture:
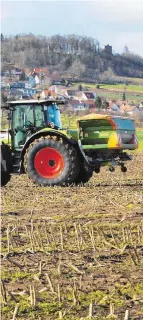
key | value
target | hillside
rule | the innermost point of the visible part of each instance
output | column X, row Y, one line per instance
column 72, row 55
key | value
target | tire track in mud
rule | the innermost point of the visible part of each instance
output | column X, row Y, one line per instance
column 123, row 183
column 126, row 183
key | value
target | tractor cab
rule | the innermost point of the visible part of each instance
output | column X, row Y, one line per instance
column 29, row 116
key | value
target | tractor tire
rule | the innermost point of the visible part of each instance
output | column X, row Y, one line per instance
column 84, row 175
column 5, row 178
column 51, row 161
column 6, row 164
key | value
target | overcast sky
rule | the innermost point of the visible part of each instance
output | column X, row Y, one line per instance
column 116, row 22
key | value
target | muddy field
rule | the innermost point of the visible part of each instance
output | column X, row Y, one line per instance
column 74, row 253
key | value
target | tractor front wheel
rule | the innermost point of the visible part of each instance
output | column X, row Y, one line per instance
column 52, row 161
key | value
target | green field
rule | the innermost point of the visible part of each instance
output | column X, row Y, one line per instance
column 114, row 95
column 130, row 87
column 120, row 86
column 140, row 137
column 133, row 92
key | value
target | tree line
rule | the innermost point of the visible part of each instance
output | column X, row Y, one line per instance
column 71, row 55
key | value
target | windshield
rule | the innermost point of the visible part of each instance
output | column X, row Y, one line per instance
column 26, row 115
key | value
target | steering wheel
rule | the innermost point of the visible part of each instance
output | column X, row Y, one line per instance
column 26, row 125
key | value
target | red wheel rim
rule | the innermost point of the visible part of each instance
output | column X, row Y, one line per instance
column 49, row 163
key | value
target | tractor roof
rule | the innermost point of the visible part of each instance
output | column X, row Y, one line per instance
column 36, row 101
column 32, row 101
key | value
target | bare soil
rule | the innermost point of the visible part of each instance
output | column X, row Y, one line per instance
column 74, row 252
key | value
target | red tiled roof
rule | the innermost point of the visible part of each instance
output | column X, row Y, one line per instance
column 38, row 70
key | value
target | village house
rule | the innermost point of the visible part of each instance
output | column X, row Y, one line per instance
column 15, row 94
column 130, row 109
column 18, row 85
column 4, row 86
column 113, row 107
column 78, row 105
column 16, row 72
column 81, row 105
column 44, row 93
column 48, row 93
column 86, row 95
column 38, row 74
column 70, row 93
column 31, row 81
column 30, row 91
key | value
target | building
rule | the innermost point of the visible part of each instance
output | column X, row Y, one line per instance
column 48, row 93
column 114, row 107
column 16, row 72
column 86, row 95
column 132, row 110
column 108, row 49
column 78, row 105
column 31, row 81
column 15, row 94
column 82, row 105
column 70, row 93
column 18, row 85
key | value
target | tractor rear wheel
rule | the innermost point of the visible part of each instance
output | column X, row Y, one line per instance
column 6, row 164
column 84, row 175
column 52, row 161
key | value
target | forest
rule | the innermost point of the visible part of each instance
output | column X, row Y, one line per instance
column 71, row 55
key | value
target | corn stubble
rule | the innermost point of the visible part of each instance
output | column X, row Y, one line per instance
column 75, row 252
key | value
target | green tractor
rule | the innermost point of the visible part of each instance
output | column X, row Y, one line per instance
column 51, row 155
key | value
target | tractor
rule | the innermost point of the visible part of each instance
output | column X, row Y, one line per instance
column 51, row 155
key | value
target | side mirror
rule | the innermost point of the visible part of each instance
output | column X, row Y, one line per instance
column 10, row 132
